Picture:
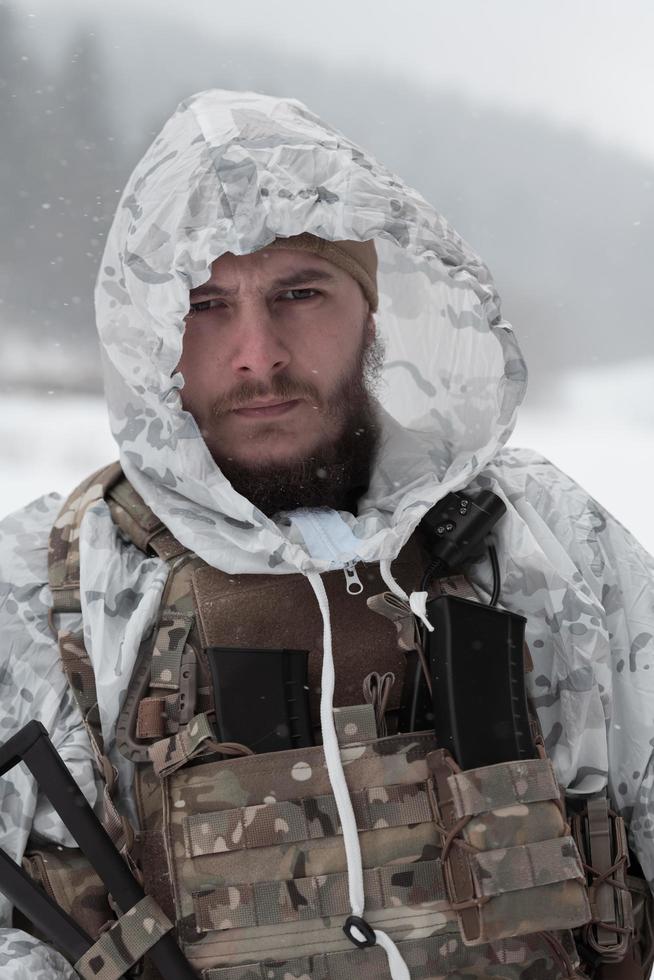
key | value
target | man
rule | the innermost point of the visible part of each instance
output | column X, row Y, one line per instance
column 302, row 359
column 279, row 354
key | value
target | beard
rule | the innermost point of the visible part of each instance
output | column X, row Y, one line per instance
column 336, row 472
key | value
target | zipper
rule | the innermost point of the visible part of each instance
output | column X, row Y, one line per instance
column 321, row 544
column 353, row 583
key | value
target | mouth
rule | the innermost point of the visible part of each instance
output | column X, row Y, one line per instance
column 266, row 409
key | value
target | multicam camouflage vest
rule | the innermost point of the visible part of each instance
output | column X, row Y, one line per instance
column 472, row 873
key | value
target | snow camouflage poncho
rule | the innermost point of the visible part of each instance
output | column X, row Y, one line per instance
column 231, row 172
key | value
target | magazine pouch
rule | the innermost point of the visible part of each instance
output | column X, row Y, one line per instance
column 601, row 838
column 509, row 863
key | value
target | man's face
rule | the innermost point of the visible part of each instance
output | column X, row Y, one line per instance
column 275, row 356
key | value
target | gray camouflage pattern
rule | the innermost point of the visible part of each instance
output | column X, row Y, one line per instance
column 230, row 172
column 25, row 958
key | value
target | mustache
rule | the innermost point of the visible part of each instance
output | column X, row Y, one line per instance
column 284, row 388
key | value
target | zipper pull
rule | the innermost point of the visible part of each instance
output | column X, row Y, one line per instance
column 353, row 583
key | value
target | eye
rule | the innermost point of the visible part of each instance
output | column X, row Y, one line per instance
column 205, row 304
column 298, row 294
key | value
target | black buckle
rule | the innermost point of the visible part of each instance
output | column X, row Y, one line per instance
column 356, row 922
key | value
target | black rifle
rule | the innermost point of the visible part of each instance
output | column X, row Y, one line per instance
column 32, row 746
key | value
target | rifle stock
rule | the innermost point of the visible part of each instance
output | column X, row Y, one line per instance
column 32, row 746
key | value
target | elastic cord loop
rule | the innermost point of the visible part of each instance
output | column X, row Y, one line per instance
column 366, row 934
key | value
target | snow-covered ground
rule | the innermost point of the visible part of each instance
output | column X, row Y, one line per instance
column 599, row 429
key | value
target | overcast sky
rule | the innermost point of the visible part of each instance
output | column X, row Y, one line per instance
column 587, row 63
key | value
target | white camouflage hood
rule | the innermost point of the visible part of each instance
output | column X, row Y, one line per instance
column 232, row 172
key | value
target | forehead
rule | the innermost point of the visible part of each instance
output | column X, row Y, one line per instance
column 268, row 266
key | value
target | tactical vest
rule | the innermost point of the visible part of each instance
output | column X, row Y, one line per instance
column 471, row 873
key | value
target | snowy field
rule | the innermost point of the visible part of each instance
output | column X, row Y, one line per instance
column 599, row 430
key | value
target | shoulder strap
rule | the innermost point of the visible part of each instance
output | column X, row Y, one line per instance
column 141, row 526
column 64, row 581
column 63, row 545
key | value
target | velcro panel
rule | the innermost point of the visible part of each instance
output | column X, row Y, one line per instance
column 512, row 869
column 492, row 787
column 269, row 824
column 172, row 635
column 319, row 896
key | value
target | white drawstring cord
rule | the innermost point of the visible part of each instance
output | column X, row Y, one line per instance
column 396, row 964
column 333, row 756
column 399, row 969
column 417, row 600
column 395, row 587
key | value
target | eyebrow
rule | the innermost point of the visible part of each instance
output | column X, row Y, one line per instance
column 211, row 290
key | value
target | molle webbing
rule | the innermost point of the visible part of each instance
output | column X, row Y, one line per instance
column 428, row 958
column 264, row 903
column 174, row 674
column 304, row 819
column 265, row 882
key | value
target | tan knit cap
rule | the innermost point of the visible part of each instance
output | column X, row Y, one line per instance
column 359, row 259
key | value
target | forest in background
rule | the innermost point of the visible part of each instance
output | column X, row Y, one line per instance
column 563, row 222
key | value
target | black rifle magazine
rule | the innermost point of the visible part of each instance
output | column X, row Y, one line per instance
column 478, row 682
column 261, row 697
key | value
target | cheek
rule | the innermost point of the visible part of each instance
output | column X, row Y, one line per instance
column 199, row 367
column 331, row 342
column 333, row 352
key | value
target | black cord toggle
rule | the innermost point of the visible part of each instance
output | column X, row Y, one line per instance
column 366, row 930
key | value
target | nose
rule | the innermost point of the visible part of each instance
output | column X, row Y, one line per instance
column 259, row 349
